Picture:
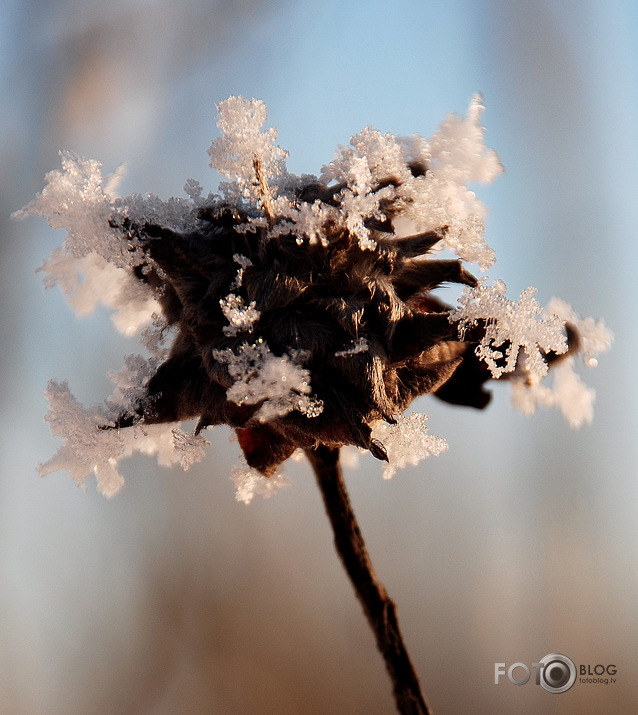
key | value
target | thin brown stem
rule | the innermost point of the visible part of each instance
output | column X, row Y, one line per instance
column 379, row 608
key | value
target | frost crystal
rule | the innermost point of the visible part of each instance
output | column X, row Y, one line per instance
column 568, row 393
column 594, row 338
column 74, row 199
column 243, row 145
column 510, row 326
column 189, row 447
column 279, row 384
column 407, row 442
column 370, row 158
column 87, row 449
column 91, row 447
column 358, row 346
column 243, row 262
column 91, row 279
column 455, row 155
column 241, row 317
column 249, row 481
column 130, row 382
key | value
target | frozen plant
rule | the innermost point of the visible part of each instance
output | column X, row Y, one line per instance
column 300, row 311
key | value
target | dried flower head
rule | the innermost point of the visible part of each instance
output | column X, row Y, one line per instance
column 301, row 309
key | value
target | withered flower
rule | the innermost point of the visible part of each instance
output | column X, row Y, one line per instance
column 301, row 309
column 355, row 333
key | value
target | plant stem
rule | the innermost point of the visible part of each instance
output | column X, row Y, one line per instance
column 378, row 607
column 266, row 198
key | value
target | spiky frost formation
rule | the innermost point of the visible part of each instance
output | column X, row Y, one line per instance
column 300, row 314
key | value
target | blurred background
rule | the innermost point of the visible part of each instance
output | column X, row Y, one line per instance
column 520, row 541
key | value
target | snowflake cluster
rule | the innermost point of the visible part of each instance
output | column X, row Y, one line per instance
column 89, row 448
column 250, row 482
column 277, row 383
column 518, row 338
column 407, row 442
column 362, row 230
column 510, row 327
column 241, row 317
column 242, row 146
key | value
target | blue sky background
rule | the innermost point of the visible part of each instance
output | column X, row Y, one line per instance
column 519, row 541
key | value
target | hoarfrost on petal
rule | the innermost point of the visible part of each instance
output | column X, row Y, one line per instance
column 243, row 262
column 154, row 338
column 189, row 447
column 573, row 397
column 306, row 220
column 87, row 448
column 407, row 442
column 526, row 398
column 92, row 445
column 358, row 346
column 193, row 189
column 458, row 148
column 89, row 280
column 510, row 326
column 166, row 442
column 241, row 317
column 130, row 381
column 242, row 144
column 455, row 155
column 74, row 199
column 249, row 482
column 372, row 157
column 593, row 336
column 569, row 394
column 280, row 383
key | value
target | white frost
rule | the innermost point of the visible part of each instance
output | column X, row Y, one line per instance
column 241, row 317
column 278, row 382
column 93, row 446
column 74, row 199
column 455, row 155
column 568, row 392
column 510, row 326
column 242, row 143
column 407, row 442
column 371, row 157
column 249, row 481
column 90, row 280
column 358, row 346
column 594, row 337
column 87, row 449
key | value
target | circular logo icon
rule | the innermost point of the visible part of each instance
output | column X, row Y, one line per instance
column 558, row 674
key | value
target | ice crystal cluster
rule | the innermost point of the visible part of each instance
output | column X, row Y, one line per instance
column 299, row 310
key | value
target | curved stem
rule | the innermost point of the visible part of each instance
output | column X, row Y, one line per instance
column 379, row 608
